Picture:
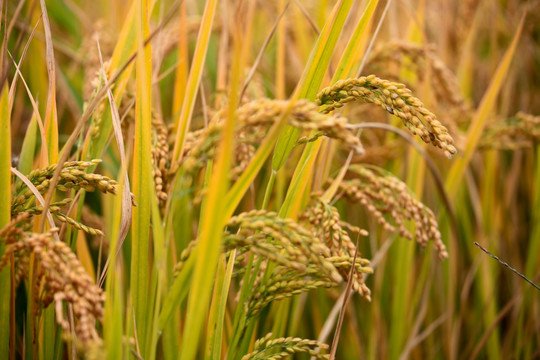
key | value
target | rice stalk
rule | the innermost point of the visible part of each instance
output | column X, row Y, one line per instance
column 6, row 296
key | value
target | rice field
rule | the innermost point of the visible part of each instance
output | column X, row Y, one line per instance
column 289, row 179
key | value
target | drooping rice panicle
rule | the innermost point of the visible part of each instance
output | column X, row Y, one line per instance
column 282, row 348
column 62, row 278
column 394, row 98
column 517, row 132
column 254, row 119
column 390, row 201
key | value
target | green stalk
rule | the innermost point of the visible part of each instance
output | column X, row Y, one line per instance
column 29, row 147
column 224, row 282
column 240, row 327
column 112, row 322
column 142, row 180
column 158, row 278
column 269, row 188
column 489, row 270
column 401, row 274
column 524, row 348
column 5, row 216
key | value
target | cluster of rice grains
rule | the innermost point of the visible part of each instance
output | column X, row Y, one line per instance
column 160, row 156
column 253, row 120
column 325, row 223
column 73, row 176
column 308, row 263
column 394, row 98
column 390, row 201
column 517, row 132
column 300, row 261
column 59, row 276
column 96, row 83
column 282, row 348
